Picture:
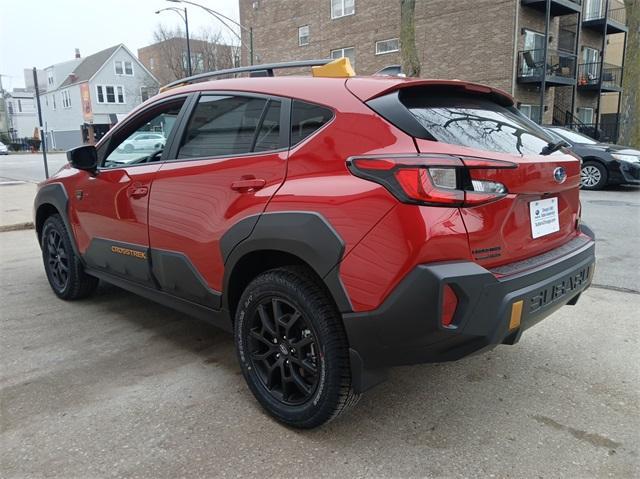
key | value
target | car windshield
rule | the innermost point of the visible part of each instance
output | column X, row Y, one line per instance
column 475, row 122
column 574, row 136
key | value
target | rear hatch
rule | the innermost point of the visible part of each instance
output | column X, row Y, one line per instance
column 538, row 206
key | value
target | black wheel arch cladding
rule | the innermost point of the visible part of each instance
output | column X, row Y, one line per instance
column 306, row 235
column 53, row 194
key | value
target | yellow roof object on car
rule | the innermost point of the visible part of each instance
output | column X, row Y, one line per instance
column 339, row 68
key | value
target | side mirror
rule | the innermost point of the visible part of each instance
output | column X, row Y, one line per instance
column 83, row 158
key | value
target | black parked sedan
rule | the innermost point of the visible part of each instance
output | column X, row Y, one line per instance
column 602, row 164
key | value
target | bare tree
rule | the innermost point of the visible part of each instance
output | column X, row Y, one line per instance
column 410, row 60
column 630, row 108
column 209, row 52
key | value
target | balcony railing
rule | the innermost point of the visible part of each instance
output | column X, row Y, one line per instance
column 595, row 14
column 560, row 67
column 589, row 76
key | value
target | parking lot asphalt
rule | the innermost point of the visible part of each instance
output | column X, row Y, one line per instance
column 117, row 386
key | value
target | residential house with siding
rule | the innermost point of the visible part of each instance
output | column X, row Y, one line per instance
column 87, row 96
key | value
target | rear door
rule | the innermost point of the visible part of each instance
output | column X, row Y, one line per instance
column 230, row 160
column 541, row 209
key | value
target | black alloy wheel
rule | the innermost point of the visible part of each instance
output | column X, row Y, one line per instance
column 284, row 352
column 293, row 349
column 64, row 268
column 57, row 260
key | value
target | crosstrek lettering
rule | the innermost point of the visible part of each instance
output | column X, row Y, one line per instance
column 336, row 225
column 129, row 252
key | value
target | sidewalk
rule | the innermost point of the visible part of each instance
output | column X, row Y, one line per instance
column 16, row 205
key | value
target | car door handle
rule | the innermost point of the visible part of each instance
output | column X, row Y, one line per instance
column 248, row 185
column 138, row 191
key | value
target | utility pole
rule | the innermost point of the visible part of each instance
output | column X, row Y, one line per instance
column 186, row 27
column 43, row 139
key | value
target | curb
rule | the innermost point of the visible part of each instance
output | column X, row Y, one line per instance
column 17, row 227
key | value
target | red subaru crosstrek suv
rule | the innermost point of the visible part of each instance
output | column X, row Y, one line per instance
column 337, row 225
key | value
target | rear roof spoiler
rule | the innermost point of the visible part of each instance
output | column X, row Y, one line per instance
column 373, row 87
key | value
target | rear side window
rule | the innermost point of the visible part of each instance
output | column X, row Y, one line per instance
column 306, row 118
column 231, row 125
column 474, row 121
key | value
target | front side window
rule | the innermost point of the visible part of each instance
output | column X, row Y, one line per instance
column 349, row 52
column 306, row 119
column 303, row 35
column 474, row 121
column 119, row 69
column 145, row 140
column 387, row 46
column 128, row 68
column 230, row 125
column 342, row 8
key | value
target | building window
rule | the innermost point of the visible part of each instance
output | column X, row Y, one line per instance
column 303, row 35
column 50, row 77
column 123, row 68
column 531, row 111
column 10, row 107
column 53, row 97
column 197, row 62
column 387, row 46
column 585, row 115
column 19, row 106
column 147, row 92
column 152, row 63
column 342, row 8
column 349, row 52
column 110, row 94
column 66, row 99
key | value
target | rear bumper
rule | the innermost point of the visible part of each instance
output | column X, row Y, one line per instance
column 406, row 329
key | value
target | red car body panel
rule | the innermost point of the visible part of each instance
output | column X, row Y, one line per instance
column 192, row 205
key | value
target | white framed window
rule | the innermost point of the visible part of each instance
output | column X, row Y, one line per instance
column 585, row 115
column 112, row 94
column 50, row 77
column 531, row 111
column 387, row 46
column 303, row 35
column 152, row 63
column 342, row 8
column 66, row 99
column 123, row 68
column 147, row 92
column 53, row 98
column 19, row 105
column 348, row 52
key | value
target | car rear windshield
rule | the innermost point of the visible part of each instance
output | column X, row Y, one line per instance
column 474, row 121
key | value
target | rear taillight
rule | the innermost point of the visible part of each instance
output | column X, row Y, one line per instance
column 432, row 180
column 449, row 306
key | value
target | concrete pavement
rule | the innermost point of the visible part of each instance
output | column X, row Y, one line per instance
column 118, row 386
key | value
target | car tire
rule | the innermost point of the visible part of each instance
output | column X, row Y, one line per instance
column 63, row 268
column 293, row 349
column 593, row 176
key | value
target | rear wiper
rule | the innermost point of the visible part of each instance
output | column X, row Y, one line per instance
column 551, row 147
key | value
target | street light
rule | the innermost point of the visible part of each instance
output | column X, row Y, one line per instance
column 186, row 27
column 221, row 18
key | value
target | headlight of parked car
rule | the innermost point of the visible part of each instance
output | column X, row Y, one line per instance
column 627, row 158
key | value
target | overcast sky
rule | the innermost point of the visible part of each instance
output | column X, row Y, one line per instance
column 42, row 32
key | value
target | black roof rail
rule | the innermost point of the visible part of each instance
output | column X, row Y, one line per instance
column 256, row 70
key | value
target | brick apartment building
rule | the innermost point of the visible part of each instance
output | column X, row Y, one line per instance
column 496, row 42
column 167, row 59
